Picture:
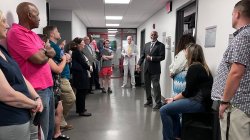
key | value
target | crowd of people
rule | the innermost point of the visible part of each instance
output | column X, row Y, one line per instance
column 35, row 74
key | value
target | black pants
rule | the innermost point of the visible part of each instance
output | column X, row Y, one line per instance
column 155, row 79
column 80, row 100
column 94, row 78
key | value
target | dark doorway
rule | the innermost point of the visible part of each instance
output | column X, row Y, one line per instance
column 141, row 50
column 186, row 20
column 142, row 41
column 64, row 27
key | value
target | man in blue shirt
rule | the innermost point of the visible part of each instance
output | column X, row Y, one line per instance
column 68, row 96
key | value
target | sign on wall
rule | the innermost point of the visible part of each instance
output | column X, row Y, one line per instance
column 210, row 36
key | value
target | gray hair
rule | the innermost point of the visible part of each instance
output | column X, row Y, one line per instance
column 1, row 15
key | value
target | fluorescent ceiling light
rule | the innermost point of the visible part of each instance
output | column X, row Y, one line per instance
column 114, row 17
column 112, row 29
column 112, row 24
column 111, row 35
column 117, row 1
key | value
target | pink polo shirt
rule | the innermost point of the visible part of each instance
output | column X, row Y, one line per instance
column 22, row 44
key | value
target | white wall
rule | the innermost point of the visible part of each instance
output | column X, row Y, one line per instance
column 9, row 9
column 209, row 13
column 78, row 27
column 61, row 15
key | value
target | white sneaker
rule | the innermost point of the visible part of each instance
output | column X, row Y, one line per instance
column 123, row 86
column 133, row 86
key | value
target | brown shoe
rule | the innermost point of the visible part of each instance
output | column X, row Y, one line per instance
column 66, row 127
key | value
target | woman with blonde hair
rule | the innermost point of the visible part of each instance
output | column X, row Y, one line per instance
column 195, row 98
column 17, row 96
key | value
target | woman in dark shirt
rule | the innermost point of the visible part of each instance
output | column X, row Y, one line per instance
column 80, row 75
column 17, row 96
column 195, row 97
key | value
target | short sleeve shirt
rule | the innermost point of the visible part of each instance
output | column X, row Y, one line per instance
column 22, row 44
column 106, row 63
column 238, row 51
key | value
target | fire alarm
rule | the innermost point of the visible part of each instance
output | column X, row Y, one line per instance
column 169, row 6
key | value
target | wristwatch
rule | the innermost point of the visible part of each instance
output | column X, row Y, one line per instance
column 36, row 98
column 224, row 102
column 45, row 51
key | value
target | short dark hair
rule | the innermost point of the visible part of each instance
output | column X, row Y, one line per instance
column 244, row 7
column 106, row 40
column 76, row 41
column 48, row 29
column 43, row 37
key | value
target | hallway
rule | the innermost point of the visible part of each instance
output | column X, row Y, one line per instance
column 117, row 116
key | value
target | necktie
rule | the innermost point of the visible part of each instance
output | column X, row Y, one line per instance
column 152, row 45
column 129, row 49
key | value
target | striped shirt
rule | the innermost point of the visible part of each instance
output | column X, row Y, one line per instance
column 238, row 51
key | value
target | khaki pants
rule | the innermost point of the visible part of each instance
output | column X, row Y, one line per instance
column 68, row 97
column 239, row 125
column 131, row 69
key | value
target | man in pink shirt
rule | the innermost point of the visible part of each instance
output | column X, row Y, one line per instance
column 28, row 50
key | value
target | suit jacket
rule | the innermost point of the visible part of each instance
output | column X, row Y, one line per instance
column 157, row 53
column 79, row 70
column 88, row 54
column 129, row 60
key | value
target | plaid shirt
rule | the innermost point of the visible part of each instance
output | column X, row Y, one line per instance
column 237, row 51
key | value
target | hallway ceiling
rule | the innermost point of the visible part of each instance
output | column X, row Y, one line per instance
column 93, row 12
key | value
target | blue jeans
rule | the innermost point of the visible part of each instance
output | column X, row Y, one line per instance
column 171, row 119
column 47, row 119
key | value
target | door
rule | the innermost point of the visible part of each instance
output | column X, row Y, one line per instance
column 141, row 50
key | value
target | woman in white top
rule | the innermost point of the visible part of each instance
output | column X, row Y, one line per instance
column 178, row 68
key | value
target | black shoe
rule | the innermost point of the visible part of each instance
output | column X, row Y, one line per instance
column 103, row 90
column 98, row 88
column 109, row 90
column 158, row 106
column 83, row 110
column 86, row 114
column 148, row 103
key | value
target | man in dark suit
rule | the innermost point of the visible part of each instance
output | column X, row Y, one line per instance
column 153, row 53
column 90, row 54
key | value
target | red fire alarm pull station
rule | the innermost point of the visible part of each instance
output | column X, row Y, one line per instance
column 169, row 6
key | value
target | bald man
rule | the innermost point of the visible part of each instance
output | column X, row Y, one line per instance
column 129, row 53
column 32, row 56
column 153, row 54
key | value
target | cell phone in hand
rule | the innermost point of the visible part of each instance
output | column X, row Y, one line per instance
column 37, row 118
